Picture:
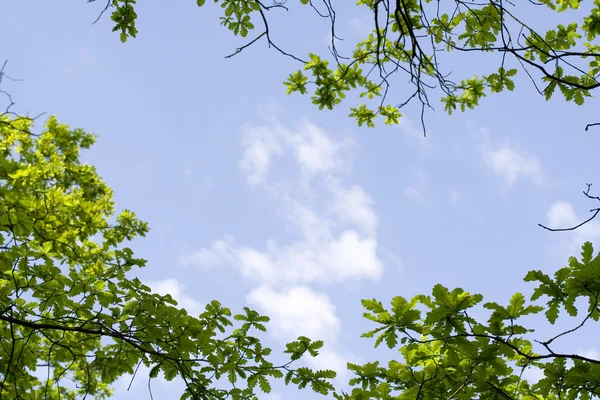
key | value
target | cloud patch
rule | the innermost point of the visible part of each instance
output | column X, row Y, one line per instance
column 297, row 311
column 355, row 205
column 260, row 146
column 418, row 190
column 335, row 234
column 220, row 252
column 313, row 150
column 302, row 311
column 85, row 62
column 511, row 163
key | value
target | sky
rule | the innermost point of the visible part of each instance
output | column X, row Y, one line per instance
column 256, row 198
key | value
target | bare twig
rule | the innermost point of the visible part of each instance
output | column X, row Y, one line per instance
column 594, row 210
column 588, row 126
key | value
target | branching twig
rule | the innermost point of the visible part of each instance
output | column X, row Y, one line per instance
column 595, row 211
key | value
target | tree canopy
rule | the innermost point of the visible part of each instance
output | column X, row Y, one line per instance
column 409, row 39
column 73, row 320
column 68, row 307
column 447, row 353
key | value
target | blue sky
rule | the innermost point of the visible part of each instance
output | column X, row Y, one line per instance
column 257, row 198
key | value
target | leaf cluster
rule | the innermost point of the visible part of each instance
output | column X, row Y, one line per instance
column 446, row 353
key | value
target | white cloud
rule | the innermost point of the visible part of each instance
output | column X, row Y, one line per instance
column 336, row 236
column 346, row 256
column 512, row 163
column 562, row 214
column 314, row 150
column 297, row 311
column 328, row 359
column 218, row 253
column 313, row 227
column 533, row 374
column 256, row 265
column 301, row 311
column 176, row 290
column 354, row 205
column 260, row 144
column 351, row 256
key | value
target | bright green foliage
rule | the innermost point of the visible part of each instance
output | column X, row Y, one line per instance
column 409, row 37
column 448, row 354
column 69, row 310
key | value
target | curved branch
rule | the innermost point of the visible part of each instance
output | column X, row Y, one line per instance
column 596, row 211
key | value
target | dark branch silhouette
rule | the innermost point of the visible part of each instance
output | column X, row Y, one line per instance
column 590, row 125
column 587, row 194
column 595, row 212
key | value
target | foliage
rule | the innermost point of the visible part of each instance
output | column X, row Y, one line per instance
column 72, row 321
column 448, row 354
column 409, row 37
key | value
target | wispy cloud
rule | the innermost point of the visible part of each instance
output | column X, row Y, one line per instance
column 510, row 162
column 354, row 205
column 418, row 190
column 85, row 62
column 336, row 238
column 220, row 252
column 297, row 311
column 314, row 152
column 260, row 146
column 302, row 311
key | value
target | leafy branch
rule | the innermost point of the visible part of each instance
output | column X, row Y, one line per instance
column 448, row 354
